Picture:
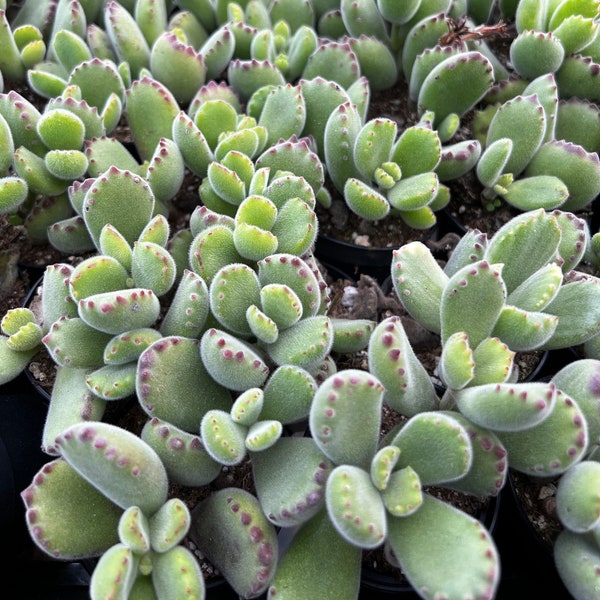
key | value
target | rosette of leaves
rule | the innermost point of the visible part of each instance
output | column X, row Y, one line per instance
column 265, row 215
column 44, row 156
column 560, row 39
column 283, row 307
column 521, row 416
column 69, row 151
column 561, row 445
column 380, row 172
column 525, row 163
column 133, row 216
column 215, row 133
column 309, row 486
column 557, row 240
column 133, row 526
column 532, row 308
column 366, row 152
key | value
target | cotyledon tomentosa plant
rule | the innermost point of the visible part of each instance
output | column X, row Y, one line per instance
column 108, row 220
column 523, row 304
column 541, row 123
column 349, row 491
column 136, row 529
column 379, row 174
column 546, row 430
column 108, row 342
column 70, row 143
column 527, row 269
column 574, row 469
column 378, row 169
column 531, row 163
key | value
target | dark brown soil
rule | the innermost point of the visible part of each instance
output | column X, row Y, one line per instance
column 536, row 498
column 14, row 280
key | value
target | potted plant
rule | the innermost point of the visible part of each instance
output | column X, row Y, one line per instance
column 219, row 302
column 538, row 119
column 565, row 409
column 556, row 507
column 396, row 177
column 95, row 366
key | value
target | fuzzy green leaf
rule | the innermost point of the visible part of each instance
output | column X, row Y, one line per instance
column 355, row 506
column 507, row 406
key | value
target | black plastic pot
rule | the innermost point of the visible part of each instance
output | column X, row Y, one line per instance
column 21, row 421
column 356, row 260
column 527, row 562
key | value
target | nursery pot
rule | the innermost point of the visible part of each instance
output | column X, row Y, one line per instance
column 353, row 258
column 356, row 259
column 526, row 529
column 335, row 247
column 21, row 422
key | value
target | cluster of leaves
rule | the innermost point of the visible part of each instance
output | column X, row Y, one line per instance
column 220, row 329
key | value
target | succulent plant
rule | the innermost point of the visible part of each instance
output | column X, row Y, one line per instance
column 379, row 174
column 123, row 323
column 265, row 214
column 554, row 243
column 565, row 37
column 114, row 331
column 576, row 547
column 24, row 46
column 527, row 302
column 220, row 331
column 20, row 340
column 355, row 496
column 546, row 102
column 68, row 150
column 523, row 161
column 136, row 530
